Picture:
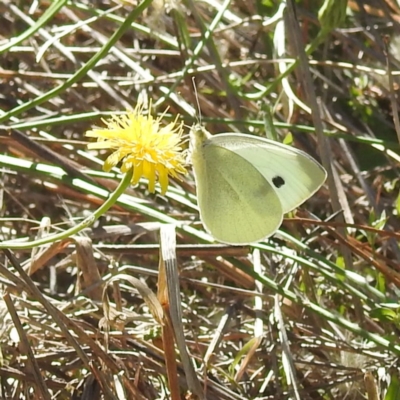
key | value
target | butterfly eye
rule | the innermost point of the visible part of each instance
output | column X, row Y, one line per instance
column 278, row 181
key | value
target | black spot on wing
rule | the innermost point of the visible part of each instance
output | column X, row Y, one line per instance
column 278, row 181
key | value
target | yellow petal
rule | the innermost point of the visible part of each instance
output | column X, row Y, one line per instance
column 137, row 172
column 112, row 160
column 163, row 178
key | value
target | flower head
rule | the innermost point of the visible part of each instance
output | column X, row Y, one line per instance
column 143, row 145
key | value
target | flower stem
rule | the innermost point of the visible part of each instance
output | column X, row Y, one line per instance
column 112, row 199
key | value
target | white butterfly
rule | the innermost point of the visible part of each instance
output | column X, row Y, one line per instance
column 245, row 184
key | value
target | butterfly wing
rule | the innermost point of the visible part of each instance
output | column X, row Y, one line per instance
column 237, row 204
column 294, row 175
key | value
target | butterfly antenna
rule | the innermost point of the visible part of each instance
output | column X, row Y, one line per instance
column 196, row 95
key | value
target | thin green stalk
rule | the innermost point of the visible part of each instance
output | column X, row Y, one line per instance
column 41, row 22
column 327, row 315
column 112, row 199
column 196, row 52
column 85, row 68
column 129, row 203
column 290, row 68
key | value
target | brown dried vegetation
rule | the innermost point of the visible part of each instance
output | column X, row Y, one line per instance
column 313, row 315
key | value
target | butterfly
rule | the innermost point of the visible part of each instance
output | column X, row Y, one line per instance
column 245, row 184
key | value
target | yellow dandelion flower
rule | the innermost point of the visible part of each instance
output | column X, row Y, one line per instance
column 152, row 151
